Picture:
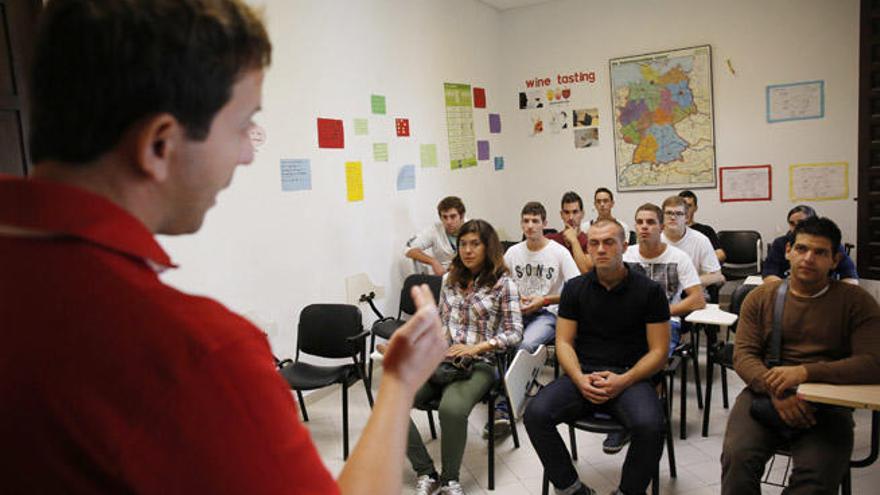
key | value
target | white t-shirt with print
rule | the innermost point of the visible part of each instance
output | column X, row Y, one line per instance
column 673, row 270
column 540, row 273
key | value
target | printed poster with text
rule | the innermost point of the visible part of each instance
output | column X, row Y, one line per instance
column 460, row 125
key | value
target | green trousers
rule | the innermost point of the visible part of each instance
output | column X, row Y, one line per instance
column 456, row 402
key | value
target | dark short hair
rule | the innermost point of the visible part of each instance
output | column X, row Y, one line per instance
column 687, row 193
column 805, row 209
column 820, row 227
column 534, row 208
column 571, row 197
column 611, row 221
column 449, row 203
column 675, row 201
column 102, row 65
column 493, row 267
column 651, row 207
column 603, row 190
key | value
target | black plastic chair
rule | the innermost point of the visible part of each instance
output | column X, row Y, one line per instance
column 594, row 424
column 385, row 326
column 329, row 331
column 502, row 359
column 744, row 249
column 721, row 354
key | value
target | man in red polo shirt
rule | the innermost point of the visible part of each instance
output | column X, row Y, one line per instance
column 110, row 380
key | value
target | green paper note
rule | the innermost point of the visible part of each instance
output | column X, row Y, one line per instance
column 380, row 152
column 377, row 102
column 429, row 155
column 361, row 127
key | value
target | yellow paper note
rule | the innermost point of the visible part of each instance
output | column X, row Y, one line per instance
column 354, row 181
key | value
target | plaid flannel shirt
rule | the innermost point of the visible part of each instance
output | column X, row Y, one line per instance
column 471, row 317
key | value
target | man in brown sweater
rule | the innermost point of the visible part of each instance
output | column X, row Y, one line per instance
column 830, row 333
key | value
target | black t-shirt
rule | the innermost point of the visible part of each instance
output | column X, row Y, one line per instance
column 708, row 232
column 611, row 324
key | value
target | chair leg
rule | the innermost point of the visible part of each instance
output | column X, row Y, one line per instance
column 846, row 484
column 302, row 405
column 670, row 446
column 431, row 424
column 344, row 421
column 369, row 392
column 545, row 486
column 510, row 418
column 682, row 406
column 710, row 377
column 491, row 423
column 372, row 348
column 695, row 356
column 655, row 481
column 724, row 388
column 574, row 446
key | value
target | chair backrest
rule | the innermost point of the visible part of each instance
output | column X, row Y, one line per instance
column 740, row 246
column 737, row 298
column 323, row 329
column 508, row 244
column 406, row 302
column 744, row 249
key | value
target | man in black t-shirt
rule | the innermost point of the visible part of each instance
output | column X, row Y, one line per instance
column 612, row 335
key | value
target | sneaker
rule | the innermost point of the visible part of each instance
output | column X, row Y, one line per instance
column 502, row 424
column 452, row 488
column 426, row 485
column 615, row 442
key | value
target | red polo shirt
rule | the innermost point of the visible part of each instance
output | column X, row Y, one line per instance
column 111, row 381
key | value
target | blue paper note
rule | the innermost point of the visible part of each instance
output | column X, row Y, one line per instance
column 499, row 163
column 296, row 175
column 406, row 177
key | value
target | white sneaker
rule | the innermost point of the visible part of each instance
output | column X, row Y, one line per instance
column 453, row 488
column 426, row 485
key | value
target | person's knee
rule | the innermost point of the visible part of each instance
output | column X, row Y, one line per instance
column 538, row 414
column 648, row 426
column 452, row 413
column 529, row 346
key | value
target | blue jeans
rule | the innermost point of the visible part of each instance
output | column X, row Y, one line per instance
column 638, row 408
column 674, row 335
column 538, row 328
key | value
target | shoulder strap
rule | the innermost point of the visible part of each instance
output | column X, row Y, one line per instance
column 774, row 358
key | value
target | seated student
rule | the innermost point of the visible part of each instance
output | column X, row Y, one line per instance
column 830, row 333
column 603, row 201
column 479, row 311
column 440, row 238
column 674, row 271
column 691, row 199
column 776, row 265
column 694, row 244
column 572, row 237
column 612, row 336
column 539, row 267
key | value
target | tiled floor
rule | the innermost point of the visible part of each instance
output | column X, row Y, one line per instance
column 518, row 471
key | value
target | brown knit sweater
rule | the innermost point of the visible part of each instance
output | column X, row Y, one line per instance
column 836, row 336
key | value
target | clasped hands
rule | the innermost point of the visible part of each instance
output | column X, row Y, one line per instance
column 599, row 387
column 779, row 381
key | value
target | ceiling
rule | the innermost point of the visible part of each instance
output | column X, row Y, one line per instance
column 512, row 4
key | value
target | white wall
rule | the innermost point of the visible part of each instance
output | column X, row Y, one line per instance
column 271, row 252
column 766, row 41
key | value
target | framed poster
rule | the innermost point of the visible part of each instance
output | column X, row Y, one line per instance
column 663, row 119
column 818, row 181
column 747, row 183
column 795, row 101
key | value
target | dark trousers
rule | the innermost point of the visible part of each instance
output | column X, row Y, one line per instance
column 638, row 408
column 820, row 455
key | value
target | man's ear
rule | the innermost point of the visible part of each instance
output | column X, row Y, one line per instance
column 837, row 257
column 787, row 250
column 157, row 139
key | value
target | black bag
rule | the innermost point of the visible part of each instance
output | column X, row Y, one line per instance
column 453, row 369
column 762, row 408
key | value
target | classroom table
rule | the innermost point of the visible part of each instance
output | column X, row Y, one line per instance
column 857, row 397
column 711, row 319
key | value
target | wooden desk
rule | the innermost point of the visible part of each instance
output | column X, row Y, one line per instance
column 855, row 396
column 711, row 318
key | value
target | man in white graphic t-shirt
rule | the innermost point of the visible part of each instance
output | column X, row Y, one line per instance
column 540, row 267
column 696, row 245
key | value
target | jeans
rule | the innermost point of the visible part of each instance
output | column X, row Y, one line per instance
column 638, row 408
column 674, row 334
column 538, row 328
